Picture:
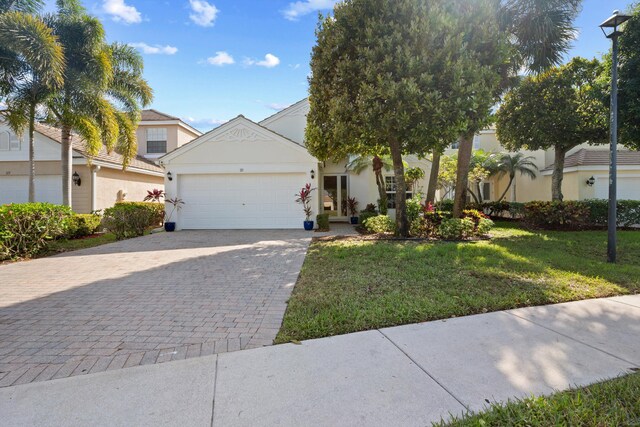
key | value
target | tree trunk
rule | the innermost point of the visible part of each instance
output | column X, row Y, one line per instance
column 506, row 190
column 480, row 198
column 32, row 160
column 402, row 224
column 67, row 166
column 462, row 178
column 377, row 170
column 433, row 177
column 513, row 193
column 558, row 175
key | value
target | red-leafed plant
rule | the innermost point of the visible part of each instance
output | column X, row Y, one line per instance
column 304, row 198
column 352, row 204
column 428, row 207
column 154, row 195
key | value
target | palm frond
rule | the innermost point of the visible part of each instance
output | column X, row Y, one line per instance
column 127, row 141
column 25, row 6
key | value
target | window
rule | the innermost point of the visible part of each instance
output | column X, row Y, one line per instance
column 9, row 142
column 455, row 145
column 390, row 189
column 156, row 140
column 486, row 191
column 4, row 141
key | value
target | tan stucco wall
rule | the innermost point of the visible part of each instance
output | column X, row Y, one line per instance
column 22, row 168
column 135, row 185
column 176, row 136
column 81, row 196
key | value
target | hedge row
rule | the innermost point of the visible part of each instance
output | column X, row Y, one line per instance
column 132, row 219
column 570, row 215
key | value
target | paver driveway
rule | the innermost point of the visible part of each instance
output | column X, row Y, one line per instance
column 146, row 300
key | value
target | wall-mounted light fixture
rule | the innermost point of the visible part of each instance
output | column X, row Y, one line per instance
column 313, row 174
column 169, row 176
column 76, row 179
column 591, row 181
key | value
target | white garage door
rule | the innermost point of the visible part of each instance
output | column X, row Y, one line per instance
column 15, row 189
column 236, row 201
column 628, row 188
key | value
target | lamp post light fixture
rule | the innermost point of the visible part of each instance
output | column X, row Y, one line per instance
column 76, row 179
column 611, row 30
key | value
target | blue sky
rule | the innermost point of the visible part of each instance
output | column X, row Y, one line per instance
column 210, row 60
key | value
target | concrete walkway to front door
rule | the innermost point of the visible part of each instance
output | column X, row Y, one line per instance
column 153, row 299
column 408, row 375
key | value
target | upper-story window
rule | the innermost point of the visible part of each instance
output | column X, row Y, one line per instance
column 9, row 141
column 156, row 140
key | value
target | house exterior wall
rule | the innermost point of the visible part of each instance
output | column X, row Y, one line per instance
column 135, row 185
column 176, row 136
column 81, row 195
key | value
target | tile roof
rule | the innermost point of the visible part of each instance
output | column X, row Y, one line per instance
column 586, row 157
column 156, row 116
column 114, row 158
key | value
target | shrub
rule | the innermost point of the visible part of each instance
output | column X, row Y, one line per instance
column 352, row 205
column 25, row 228
column 628, row 212
column 414, row 207
column 383, row 206
column 371, row 208
column 427, row 225
column 496, row 208
column 365, row 215
column 81, row 225
column 131, row 219
column 456, row 228
column 323, row 222
column 379, row 224
column 516, row 210
column 569, row 215
column 444, row 205
column 484, row 227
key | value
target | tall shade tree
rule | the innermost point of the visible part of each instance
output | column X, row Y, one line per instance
column 512, row 164
column 102, row 93
column 538, row 34
column 391, row 78
column 559, row 109
column 629, row 81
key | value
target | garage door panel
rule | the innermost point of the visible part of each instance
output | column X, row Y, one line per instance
column 236, row 201
column 628, row 188
column 15, row 189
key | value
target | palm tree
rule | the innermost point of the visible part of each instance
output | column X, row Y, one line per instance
column 31, row 66
column 511, row 164
column 27, row 44
column 540, row 33
column 102, row 93
column 483, row 164
column 359, row 163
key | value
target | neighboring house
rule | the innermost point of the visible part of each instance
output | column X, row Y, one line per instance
column 245, row 174
column 582, row 163
column 159, row 133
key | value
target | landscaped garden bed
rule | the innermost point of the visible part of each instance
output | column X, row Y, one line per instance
column 609, row 403
column 349, row 285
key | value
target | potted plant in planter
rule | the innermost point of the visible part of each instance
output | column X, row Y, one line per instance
column 352, row 204
column 177, row 205
column 304, row 198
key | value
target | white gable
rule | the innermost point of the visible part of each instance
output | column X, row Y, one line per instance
column 290, row 122
column 45, row 148
column 239, row 142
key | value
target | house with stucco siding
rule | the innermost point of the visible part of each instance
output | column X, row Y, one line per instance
column 100, row 181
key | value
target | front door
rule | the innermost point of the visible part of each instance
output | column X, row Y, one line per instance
column 334, row 196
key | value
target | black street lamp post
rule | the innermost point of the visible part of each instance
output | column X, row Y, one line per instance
column 613, row 24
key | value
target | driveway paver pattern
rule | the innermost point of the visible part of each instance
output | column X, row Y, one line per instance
column 147, row 300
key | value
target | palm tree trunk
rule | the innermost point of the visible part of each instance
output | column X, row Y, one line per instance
column 32, row 160
column 462, row 179
column 402, row 224
column 433, row 177
column 479, row 189
column 513, row 193
column 506, row 189
column 67, row 166
column 558, row 175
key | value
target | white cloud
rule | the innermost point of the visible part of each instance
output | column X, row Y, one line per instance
column 122, row 12
column 295, row 10
column 204, row 123
column 204, row 14
column 276, row 106
column 155, row 49
column 222, row 58
column 269, row 61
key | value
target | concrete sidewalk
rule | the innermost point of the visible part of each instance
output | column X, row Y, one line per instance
column 407, row 375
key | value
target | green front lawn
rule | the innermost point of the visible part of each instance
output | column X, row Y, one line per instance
column 354, row 285
column 610, row 403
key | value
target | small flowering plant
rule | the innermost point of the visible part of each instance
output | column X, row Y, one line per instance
column 304, row 198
